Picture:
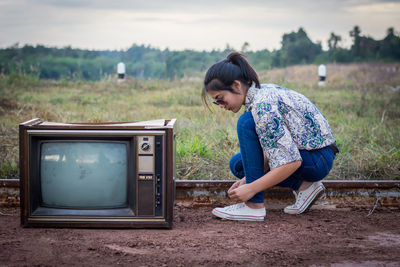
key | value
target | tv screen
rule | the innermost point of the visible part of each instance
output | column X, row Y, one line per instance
column 83, row 175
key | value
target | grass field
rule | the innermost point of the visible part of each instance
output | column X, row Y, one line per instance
column 360, row 101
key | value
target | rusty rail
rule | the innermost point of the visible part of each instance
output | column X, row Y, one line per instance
column 9, row 192
column 339, row 193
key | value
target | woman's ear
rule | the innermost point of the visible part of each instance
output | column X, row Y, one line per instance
column 237, row 86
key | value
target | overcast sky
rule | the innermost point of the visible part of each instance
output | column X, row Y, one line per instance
column 187, row 24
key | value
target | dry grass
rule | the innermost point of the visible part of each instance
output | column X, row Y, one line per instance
column 359, row 100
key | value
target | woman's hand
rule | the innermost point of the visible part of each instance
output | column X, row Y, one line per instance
column 242, row 193
column 237, row 184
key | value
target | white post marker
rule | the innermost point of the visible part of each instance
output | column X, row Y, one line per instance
column 121, row 71
column 322, row 74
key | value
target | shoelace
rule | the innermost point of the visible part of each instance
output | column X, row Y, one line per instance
column 298, row 197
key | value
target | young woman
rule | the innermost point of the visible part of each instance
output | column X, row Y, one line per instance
column 284, row 140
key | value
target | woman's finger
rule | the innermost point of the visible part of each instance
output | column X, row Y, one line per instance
column 234, row 186
column 232, row 194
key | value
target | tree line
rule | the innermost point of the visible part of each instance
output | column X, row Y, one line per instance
column 145, row 62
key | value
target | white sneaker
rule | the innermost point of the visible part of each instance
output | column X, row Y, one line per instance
column 240, row 212
column 306, row 198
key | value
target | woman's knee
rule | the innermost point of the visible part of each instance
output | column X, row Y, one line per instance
column 236, row 165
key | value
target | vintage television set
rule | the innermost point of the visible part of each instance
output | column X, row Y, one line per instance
column 97, row 175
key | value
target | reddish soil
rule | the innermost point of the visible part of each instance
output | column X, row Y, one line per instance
column 320, row 237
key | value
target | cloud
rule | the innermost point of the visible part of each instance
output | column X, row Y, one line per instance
column 180, row 24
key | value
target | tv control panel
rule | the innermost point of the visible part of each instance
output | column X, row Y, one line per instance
column 150, row 176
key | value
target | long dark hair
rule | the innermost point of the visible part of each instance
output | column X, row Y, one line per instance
column 222, row 74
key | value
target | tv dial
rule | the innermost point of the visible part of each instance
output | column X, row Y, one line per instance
column 145, row 146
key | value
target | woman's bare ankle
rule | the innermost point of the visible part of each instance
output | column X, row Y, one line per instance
column 254, row 205
column 304, row 185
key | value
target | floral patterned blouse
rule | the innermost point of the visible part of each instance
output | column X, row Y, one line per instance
column 286, row 122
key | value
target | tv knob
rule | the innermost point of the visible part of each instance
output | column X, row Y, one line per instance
column 145, row 146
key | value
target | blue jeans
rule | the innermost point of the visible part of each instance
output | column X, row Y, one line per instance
column 315, row 165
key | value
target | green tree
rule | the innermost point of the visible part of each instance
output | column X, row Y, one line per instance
column 245, row 47
column 333, row 42
column 356, row 47
column 297, row 48
column 389, row 48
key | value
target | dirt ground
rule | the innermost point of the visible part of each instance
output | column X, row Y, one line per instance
column 319, row 238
